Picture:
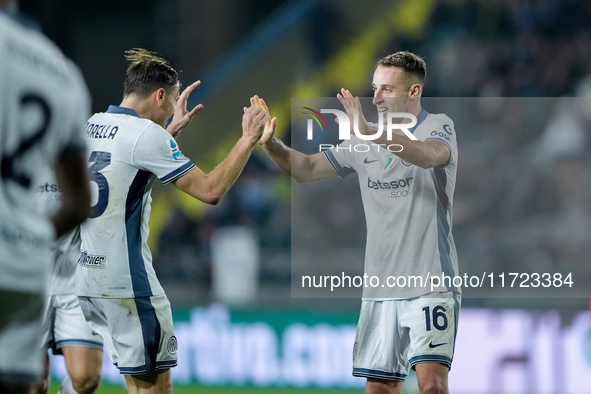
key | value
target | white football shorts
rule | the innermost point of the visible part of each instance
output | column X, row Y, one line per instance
column 137, row 332
column 66, row 326
column 395, row 335
column 21, row 335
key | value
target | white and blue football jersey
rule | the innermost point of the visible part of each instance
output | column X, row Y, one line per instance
column 408, row 211
column 44, row 104
column 127, row 154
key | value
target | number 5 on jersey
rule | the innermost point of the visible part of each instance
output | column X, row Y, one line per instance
column 100, row 160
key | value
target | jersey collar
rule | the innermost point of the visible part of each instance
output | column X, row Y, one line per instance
column 422, row 116
column 113, row 109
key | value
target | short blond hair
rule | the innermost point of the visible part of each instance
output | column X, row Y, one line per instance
column 147, row 71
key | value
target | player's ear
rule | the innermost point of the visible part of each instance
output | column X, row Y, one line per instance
column 159, row 95
column 416, row 90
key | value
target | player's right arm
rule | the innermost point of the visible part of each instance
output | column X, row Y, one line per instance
column 302, row 168
column 210, row 188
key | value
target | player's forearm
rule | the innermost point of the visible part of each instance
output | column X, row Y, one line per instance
column 221, row 179
column 67, row 219
column 72, row 179
column 302, row 168
column 418, row 153
column 280, row 154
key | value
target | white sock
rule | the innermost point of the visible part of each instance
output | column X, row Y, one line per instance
column 66, row 387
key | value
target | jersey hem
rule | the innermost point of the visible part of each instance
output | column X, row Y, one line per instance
column 127, row 295
column 445, row 294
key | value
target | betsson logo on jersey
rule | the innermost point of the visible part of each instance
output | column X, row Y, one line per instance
column 394, row 186
column 53, row 191
column 91, row 261
column 49, row 188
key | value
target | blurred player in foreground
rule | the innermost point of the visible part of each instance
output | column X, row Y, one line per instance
column 43, row 103
column 129, row 149
column 67, row 332
column 407, row 235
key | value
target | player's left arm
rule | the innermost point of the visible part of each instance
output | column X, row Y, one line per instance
column 425, row 154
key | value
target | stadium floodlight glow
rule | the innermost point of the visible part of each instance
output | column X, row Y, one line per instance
column 345, row 124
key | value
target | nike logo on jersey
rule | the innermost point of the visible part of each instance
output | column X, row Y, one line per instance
column 434, row 346
column 367, row 162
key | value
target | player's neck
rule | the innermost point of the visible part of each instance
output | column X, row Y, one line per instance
column 415, row 108
column 142, row 108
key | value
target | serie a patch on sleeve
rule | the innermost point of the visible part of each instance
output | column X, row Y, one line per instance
column 174, row 149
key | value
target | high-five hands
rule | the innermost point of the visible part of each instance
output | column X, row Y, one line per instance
column 352, row 106
column 255, row 120
column 270, row 126
column 182, row 117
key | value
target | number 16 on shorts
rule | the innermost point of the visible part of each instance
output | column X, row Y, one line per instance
column 434, row 329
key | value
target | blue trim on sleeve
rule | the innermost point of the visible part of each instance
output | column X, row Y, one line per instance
column 422, row 116
column 113, row 109
column 151, row 331
column 133, row 224
column 443, row 227
column 179, row 172
column 430, row 358
column 374, row 373
column 340, row 170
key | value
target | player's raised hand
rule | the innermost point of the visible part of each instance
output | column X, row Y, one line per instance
column 254, row 120
column 352, row 106
column 182, row 117
column 269, row 130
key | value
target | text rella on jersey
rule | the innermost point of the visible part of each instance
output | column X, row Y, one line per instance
column 101, row 131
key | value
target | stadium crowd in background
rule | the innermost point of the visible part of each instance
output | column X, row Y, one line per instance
column 482, row 49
